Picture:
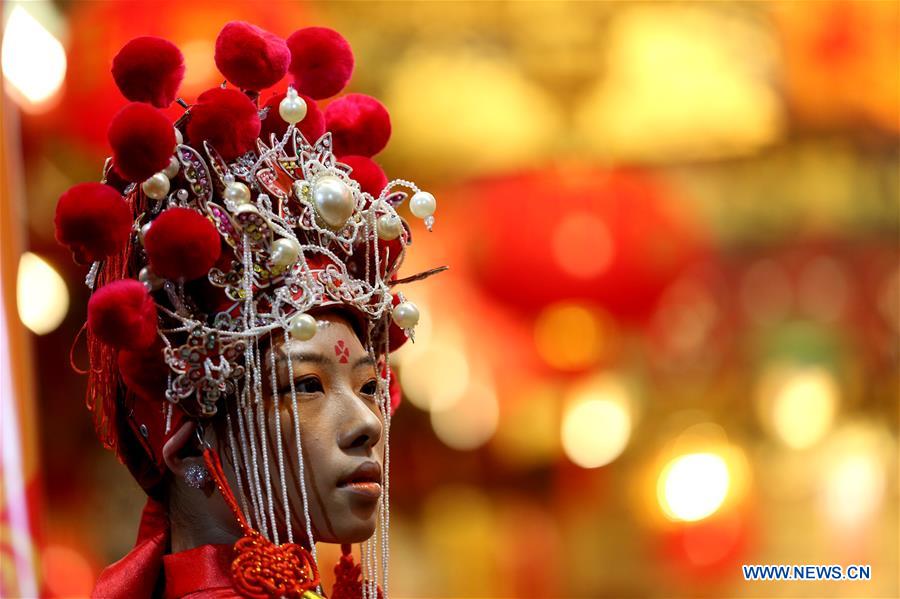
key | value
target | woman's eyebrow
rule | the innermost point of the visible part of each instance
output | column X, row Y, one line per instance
column 302, row 357
column 364, row 361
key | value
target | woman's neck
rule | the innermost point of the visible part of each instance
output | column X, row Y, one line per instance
column 196, row 519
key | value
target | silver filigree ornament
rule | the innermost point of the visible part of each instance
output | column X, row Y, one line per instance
column 347, row 264
column 207, row 367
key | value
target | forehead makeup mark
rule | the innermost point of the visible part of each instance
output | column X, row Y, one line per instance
column 341, row 351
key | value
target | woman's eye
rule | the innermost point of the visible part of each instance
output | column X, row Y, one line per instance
column 309, row 384
column 369, row 388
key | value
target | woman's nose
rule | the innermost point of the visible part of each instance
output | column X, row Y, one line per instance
column 363, row 427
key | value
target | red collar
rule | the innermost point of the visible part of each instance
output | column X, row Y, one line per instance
column 203, row 571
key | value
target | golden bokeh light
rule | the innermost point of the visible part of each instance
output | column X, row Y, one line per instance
column 597, row 423
column 798, row 403
column 200, row 68
column 41, row 311
column 460, row 520
column 679, row 87
column 693, row 486
column 853, row 467
column 570, row 336
column 34, row 61
column 448, row 105
column 469, row 422
column 434, row 371
column 528, row 433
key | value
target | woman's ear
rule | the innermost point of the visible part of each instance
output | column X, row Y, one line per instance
column 174, row 449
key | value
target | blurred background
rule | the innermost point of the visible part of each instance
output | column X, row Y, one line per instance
column 667, row 344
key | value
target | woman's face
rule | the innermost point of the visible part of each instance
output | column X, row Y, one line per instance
column 340, row 428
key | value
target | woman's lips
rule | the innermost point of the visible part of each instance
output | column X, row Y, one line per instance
column 364, row 480
column 371, row 490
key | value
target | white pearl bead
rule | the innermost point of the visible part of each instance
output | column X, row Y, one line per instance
column 237, row 193
column 333, row 200
column 149, row 279
column 245, row 209
column 179, row 138
column 172, row 168
column 303, row 327
column 144, row 229
column 405, row 315
column 422, row 204
column 292, row 108
column 285, row 252
column 156, row 187
column 389, row 227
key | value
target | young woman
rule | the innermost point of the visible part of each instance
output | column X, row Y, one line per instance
column 243, row 312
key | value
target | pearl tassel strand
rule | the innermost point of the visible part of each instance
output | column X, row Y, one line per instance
column 279, row 443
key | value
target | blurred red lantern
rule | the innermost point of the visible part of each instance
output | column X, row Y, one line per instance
column 613, row 238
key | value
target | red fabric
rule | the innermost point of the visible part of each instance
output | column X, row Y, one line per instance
column 135, row 576
column 199, row 573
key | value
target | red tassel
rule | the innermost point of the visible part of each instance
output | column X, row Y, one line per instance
column 261, row 569
column 347, row 583
column 103, row 375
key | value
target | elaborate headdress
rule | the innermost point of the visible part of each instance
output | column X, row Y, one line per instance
column 231, row 228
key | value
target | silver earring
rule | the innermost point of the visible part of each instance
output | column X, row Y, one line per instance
column 196, row 476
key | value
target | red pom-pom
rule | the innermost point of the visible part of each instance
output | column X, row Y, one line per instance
column 359, row 124
column 321, row 61
column 145, row 371
column 367, row 173
column 250, row 57
column 227, row 119
column 312, row 126
column 122, row 314
column 149, row 69
column 182, row 244
column 93, row 221
column 142, row 141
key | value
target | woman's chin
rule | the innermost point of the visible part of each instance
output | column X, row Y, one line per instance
column 354, row 530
